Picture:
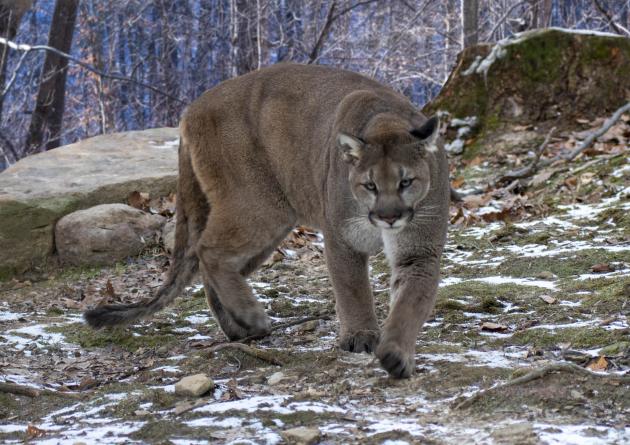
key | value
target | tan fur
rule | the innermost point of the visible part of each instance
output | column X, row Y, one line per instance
column 294, row 144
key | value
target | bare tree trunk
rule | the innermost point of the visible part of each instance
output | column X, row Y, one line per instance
column 49, row 108
column 545, row 14
column 11, row 12
column 470, row 22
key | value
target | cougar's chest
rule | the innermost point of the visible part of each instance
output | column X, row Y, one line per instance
column 362, row 235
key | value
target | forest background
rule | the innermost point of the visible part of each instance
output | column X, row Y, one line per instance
column 136, row 64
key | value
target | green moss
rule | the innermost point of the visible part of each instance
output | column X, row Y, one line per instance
column 449, row 305
column 158, row 430
column 564, row 266
column 581, row 337
column 122, row 337
column 607, row 295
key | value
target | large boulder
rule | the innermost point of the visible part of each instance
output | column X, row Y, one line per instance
column 105, row 234
column 40, row 189
column 537, row 78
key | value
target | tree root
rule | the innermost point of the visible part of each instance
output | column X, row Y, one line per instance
column 540, row 373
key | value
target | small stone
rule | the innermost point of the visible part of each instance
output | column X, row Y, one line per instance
column 548, row 299
column 301, row 436
column 275, row 378
column 194, row 385
column 545, row 275
column 141, row 413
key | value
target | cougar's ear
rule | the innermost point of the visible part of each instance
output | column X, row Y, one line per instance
column 351, row 147
column 428, row 133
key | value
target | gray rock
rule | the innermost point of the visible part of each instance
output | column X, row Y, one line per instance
column 105, row 234
column 168, row 235
column 301, row 436
column 194, row 385
column 40, row 189
column 275, row 378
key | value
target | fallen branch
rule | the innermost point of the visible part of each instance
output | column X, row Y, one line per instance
column 260, row 354
column 540, row 373
column 325, row 316
column 23, row 390
column 586, row 143
column 288, row 324
column 531, row 168
column 20, row 390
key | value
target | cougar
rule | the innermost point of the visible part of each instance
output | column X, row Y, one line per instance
column 318, row 146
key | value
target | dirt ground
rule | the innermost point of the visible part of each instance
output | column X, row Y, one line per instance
column 525, row 285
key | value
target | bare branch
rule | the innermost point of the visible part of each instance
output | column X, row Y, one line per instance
column 531, row 168
column 28, row 48
column 603, row 129
column 610, row 19
column 586, row 143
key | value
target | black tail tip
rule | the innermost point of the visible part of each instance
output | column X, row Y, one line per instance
column 95, row 317
column 108, row 315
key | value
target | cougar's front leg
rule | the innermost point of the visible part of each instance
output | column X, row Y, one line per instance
column 414, row 283
column 353, row 295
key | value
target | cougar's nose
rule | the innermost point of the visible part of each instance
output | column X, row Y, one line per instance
column 390, row 218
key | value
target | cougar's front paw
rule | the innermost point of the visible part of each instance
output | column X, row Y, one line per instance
column 397, row 362
column 359, row 341
column 254, row 321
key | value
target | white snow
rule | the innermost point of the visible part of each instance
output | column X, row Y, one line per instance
column 502, row 280
column 197, row 319
column 166, row 144
column 268, row 403
column 552, row 434
column 10, row 316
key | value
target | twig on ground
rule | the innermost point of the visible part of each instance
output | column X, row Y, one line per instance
column 540, row 373
column 603, row 129
column 531, row 168
column 23, row 390
column 261, row 354
column 288, row 324
column 586, row 143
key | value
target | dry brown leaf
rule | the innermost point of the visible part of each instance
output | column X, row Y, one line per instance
column 33, row 432
column 493, row 327
column 139, row 200
column 474, row 161
column 476, row 201
column 458, row 182
column 109, row 290
column 602, row 268
column 599, row 364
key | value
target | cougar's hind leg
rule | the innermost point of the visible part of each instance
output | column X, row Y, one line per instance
column 231, row 247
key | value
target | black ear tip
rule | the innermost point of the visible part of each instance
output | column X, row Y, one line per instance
column 428, row 128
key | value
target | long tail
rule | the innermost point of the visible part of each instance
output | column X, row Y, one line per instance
column 192, row 214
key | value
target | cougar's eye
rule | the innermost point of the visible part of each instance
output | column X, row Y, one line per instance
column 370, row 186
column 404, row 183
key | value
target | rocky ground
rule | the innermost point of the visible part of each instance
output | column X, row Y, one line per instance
column 535, row 274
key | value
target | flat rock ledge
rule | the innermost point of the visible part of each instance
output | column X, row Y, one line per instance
column 40, row 189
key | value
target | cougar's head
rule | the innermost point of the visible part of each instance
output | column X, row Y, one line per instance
column 389, row 170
